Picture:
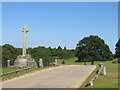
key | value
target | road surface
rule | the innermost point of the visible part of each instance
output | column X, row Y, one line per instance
column 67, row 76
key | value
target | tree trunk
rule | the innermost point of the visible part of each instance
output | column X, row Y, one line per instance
column 92, row 63
column 84, row 62
column 38, row 64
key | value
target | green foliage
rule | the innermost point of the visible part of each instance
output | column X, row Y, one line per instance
column 41, row 52
column 119, row 60
column 63, row 62
column 104, row 81
column 65, row 54
column 114, row 61
column 117, row 52
column 47, row 54
column 92, row 49
column 9, row 53
column 65, row 48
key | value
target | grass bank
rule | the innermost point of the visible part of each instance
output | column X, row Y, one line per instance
column 71, row 61
column 108, row 81
column 13, row 75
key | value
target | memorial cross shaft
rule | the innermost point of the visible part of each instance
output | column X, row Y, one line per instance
column 24, row 30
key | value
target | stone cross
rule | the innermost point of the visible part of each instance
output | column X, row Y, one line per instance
column 24, row 30
column 40, row 63
column 8, row 63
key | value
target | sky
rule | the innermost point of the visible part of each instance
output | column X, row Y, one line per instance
column 59, row 23
column 119, row 20
column 60, row 0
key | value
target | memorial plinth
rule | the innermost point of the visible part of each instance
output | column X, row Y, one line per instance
column 24, row 61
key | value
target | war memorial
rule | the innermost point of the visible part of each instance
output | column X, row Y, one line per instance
column 24, row 60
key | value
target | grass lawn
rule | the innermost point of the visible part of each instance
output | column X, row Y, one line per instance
column 5, row 70
column 71, row 61
column 108, row 81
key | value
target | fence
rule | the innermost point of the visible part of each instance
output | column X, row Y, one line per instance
column 16, row 71
column 90, row 83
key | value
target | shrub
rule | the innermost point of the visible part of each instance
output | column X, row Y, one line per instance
column 63, row 62
column 114, row 61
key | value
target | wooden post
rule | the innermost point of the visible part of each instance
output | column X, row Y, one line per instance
column 56, row 62
column 8, row 63
column 40, row 63
column 104, row 70
column 91, row 83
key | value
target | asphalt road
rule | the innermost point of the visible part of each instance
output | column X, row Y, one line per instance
column 67, row 76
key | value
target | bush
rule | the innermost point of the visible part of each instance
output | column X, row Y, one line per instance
column 119, row 60
column 63, row 62
column 48, row 60
column 114, row 62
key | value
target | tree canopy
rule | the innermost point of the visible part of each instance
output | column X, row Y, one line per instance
column 48, row 55
column 89, row 49
column 117, row 49
column 9, row 53
column 93, row 48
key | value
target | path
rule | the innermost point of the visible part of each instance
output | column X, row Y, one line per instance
column 67, row 76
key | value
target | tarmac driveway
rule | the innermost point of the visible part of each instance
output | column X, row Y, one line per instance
column 66, row 76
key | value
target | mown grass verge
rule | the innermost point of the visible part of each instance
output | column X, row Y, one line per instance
column 105, row 81
column 108, row 81
column 13, row 75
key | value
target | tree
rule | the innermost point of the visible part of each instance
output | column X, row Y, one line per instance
column 59, row 50
column 92, row 49
column 63, row 62
column 53, row 52
column 41, row 52
column 6, row 55
column 65, row 48
column 9, row 53
column 64, row 54
column 48, row 55
column 117, row 50
column 0, row 55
